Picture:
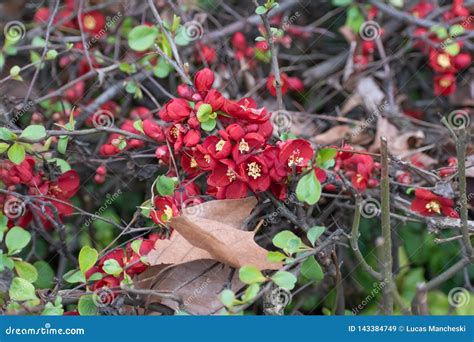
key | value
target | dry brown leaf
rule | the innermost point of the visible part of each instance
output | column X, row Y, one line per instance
column 333, row 135
column 211, row 231
column 198, row 285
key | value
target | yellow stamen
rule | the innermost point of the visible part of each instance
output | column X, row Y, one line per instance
column 89, row 22
column 220, row 145
column 168, row 212
column 193, row 163
column 243, row 146
column 231, row 174
column 254, row 170
column 433, row 206
column 443, row 61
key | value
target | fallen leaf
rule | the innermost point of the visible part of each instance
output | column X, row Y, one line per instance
column 198, row 285
column 333, row 135
column 211, row 231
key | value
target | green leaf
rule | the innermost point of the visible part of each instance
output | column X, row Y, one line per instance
column 341, row 3
column 52, row 310
column 16, row 153
column 311, row 269
column 250, row 275
column 17, row 238
column 26, row 271
column 261, row 10
column 282, row 239
column 63, row 165
column 45, row 275
column 325, row 157
column 3, row 147
column 203, row 112
column 2, row 61
column 397, row 3
column 33, row 132
column 136, row 245
column 453, row 49
column 227, row 298
column 74, row 276
column 127, row 68
column 142, row 37
column 293, row 245
column 162, row 68
column 5, row 261
column 87, row 258
column 308, row 189
column 165, row 185
column 95, row 276
column 112, row 267
column 86, row 306
column 21, row 290
column 314, row 233
column 138, row 125
column 456, row 30
column 6, row 134
column 209, row 125
column 15, row 71
column 284, row 280
column 440, row 31
column 251, row 292
column 51, row 55
column 276, row 256
column 62, row 144
column 354, row 19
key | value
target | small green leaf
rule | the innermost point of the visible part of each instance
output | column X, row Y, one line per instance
column 162, row 68
column 26, row 271
column 456, row 30
column 227, row 298
column 3, row 147
column 74, row 276
column 314, row 233
column 325, row 157
column 250, row 275
column 136, row 245
column 165, row 185
column 203, row 112
column 354, row 18
column 251, row 292
column 138, row 125
column 33, row 132
column 112, row 267
column 15, row 71
column 87, row 258
column 62, row 144
column 45, row 275
column 276, row 256
column 6, row 134
column 17, row 238
column 311, row 269
column 51, row 55
column 52, row 310
column 282, row 239
column 284, row 280
column 209, row 125
column 453, row 49
column 308, row 189
column 260, row 10
column 86, row 306
column 16, row 153
column 21, row 290
column 142, row 37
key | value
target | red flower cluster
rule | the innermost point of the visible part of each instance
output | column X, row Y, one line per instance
column 237, row 156
column 132, row 262
column 444, row 53
column 58, row 191
column 359, row 168
column 366, row 48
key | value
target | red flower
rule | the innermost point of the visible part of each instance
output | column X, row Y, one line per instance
column 175, row 110
column 255, row 172
column 271, row 84
column 225, row 177
column 165, row 209
column 108, row 281
column 189, row 165
column 428, row 204
column 117, row 255
column 422, row 9
column 203, row 80
column 153, row 131
column 444, row 84
column 93, row 22
column 140, row 112
column 441, row 62
column 217, row 147
column 246, row 109
column 297, row 152
column 175, row 134
column 463, row 60
column 215, row 99
column 248, row 144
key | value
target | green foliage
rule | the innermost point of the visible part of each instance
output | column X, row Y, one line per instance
column 311, row 269
column 165, row 185
column 87, row 258
column 142, row 37
column 250, row 275
column 308, row 189
column 16, row 153
column 17, row 238
column 284, row 280
column 314, row 233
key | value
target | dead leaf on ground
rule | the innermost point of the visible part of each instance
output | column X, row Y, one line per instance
column 198, row 285
column 211, row 231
